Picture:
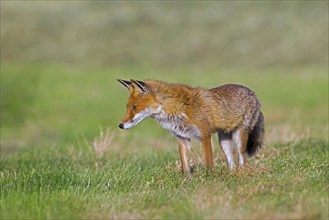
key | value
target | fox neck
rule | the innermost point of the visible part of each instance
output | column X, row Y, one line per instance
column 177, row 124
column 172, row 99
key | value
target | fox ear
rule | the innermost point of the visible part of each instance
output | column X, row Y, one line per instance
column 125, row 83
column 141, row 85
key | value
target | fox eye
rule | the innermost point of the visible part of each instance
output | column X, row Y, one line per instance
column 134, row 107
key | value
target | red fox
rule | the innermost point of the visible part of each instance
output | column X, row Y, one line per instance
column 233, row 111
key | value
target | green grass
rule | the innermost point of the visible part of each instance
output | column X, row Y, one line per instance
column 287, row 184
column 63, row 156
column 50, row 116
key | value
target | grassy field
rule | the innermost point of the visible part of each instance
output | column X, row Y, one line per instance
column 62, row 155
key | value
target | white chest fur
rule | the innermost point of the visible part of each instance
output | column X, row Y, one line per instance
column 177, row 125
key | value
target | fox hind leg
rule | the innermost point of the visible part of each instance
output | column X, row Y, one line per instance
column 225, row 141
column 240, row 137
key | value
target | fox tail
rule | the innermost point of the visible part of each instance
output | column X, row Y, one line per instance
column 256, row 136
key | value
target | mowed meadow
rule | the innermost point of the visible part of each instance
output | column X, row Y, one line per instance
column 64, row 157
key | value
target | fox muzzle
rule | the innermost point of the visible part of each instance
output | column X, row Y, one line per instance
column 126, row 125
column 140, row 116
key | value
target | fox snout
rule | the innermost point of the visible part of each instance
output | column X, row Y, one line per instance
column 137, row 118
column 126, row 125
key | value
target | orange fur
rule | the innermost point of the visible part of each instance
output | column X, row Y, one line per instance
column 233, row 111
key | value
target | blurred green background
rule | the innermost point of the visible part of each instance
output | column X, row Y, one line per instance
column 63, row 155
column 166, row 34
column 60, row 59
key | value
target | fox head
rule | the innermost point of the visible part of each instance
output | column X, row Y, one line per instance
column 141, row 103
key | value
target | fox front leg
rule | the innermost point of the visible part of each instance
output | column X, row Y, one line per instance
column 207, row 152
column 184, row 151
